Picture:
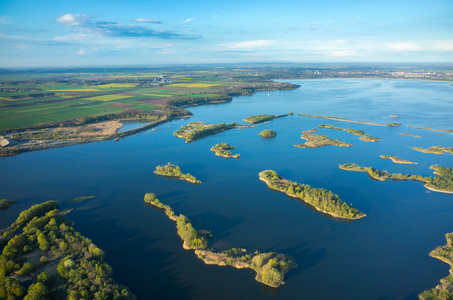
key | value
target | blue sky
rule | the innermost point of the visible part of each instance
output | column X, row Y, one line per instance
column 85, row 33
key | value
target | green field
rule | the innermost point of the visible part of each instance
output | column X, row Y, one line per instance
column 107, row 97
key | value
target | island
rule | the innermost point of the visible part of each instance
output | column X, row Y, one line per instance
column 397, row 160
column 408, row 134
column 267, row 133
column 5, row 203
column 270, row 267
column 43, row 257
column 437, row 130
column 197, row 130
column 363, row 136
column 316, row 140
column 223, row 150
column 434, row 150
column 445, row 289
column 341, row 119
column 443, row 183
column 321, row 199
column 81, row 199
column 393, row 124
column 262, row 118
column 170, row 170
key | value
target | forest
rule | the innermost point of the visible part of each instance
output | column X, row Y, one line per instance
column 43, row 248
column 171, row 170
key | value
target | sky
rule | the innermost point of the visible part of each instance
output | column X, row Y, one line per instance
column 43, row 33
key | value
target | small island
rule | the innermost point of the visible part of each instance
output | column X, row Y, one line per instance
column 363, row 136
column 81, row 199
column 323, row 200
column 408, row 134
column 397, row 160
column 223, row 150
column 443, row 183
column 316, row 140
column 262, row 118
column 197, row 130
column 267, row 133
column 445, row 289
column 434, row 150
column 432, row 129
column 341, row 119
column 43, row 257
column 393, row 124
column 270, row 267
column 170, row 170
column 5, row 203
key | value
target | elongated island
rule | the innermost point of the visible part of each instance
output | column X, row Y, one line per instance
column 323, row 200
column 317, row 140
column 270, row 267
column 170, row 170
column 262, row 118
column 443, row 183
column 397, row 160
column 434, row 150
column 197, row 130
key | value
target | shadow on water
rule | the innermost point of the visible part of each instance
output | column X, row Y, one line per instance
column 223, row 224
column 306, row 258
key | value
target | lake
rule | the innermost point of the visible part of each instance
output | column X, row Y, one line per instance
column 382, row 256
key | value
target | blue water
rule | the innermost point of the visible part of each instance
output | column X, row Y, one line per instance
column 382, row 256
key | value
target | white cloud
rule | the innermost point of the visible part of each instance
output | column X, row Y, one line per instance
column 81, row 52
column 189, row 20
column 74, row 20
column 144, row 20
column 249, row 44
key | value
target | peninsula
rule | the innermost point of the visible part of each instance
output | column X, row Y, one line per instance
column 267, row 133
column 262, row 118
column 197, row 130
column 223, row 150
column 445, row 289
column 270, row 267
column 323, row 200
column 363, row 136
column 434, row 150
column 170, row 170
column 316, row 140
column 443, row 183
column 54, row 261
column 397, row 160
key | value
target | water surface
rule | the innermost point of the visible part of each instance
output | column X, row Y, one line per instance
column 382, row 256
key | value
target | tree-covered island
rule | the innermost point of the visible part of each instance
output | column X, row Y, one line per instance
column 442, row 183
column 270, row 267
column 323, row 200
column 5, row 203
column 262, row 118
column 316, row 140
column 197, row 130
column 397, row 160
column 170, row 170
column 363, row 136
column 42, row 251
column 434, row 150
column 267, row 133
column 444, row 291
column 223, row 150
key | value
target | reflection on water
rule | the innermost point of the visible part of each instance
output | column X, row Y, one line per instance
column 384, row 255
